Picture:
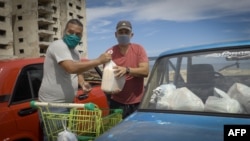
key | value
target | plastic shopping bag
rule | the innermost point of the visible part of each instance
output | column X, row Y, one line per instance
column 223, row 105
column 66, row 135
column 241, row 93
column 111, row 83
column 222, row 102
column 184, row 99
column 161, row 96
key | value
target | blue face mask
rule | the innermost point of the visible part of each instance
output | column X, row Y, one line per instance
column 71, row 40
column 123, row 39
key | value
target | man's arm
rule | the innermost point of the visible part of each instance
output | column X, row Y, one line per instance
column 73, row 67
column 85, row 85
column 141, row 71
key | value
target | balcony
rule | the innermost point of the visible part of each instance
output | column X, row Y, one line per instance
column 45, row 10
column 43, row 33
column 45, row 21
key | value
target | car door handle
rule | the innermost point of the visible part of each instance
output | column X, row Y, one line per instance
column 27, row 111
column 83, row 96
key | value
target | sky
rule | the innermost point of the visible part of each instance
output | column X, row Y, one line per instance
column 160, row 25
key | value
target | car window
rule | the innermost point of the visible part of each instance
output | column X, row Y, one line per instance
column 211, row 82
column 93, row 76
column 28, row 83
column 30, row 78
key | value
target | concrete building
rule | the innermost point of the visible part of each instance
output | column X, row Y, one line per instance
column 29, row 26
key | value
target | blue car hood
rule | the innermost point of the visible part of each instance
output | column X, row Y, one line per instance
column 146, row 126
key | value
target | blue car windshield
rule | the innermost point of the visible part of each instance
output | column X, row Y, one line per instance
column 215, row 81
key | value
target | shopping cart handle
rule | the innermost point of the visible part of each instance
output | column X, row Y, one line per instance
column 88, row 106
column 118, row 111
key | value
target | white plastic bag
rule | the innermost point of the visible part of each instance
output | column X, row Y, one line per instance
column 161, row 96
column 110, row 83
column 223, row 105
column 241, row 93
column 222, row 102
column 220, row 94
column 184, row 99
column 66, row 135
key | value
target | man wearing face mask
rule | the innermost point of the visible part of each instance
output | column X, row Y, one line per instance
column 63, row 68
column 132, row 61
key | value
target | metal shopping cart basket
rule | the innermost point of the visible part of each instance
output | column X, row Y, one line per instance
column 114, row 117
column 85, row 120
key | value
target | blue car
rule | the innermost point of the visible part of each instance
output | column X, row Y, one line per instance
column 199, row 93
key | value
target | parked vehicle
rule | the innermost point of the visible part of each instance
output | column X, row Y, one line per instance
column 20, row 80
column 196, row 93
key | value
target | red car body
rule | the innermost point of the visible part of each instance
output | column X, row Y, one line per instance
column 19, row 121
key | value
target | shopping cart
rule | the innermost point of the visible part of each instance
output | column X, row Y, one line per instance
column 85, row 120
column 114, row 117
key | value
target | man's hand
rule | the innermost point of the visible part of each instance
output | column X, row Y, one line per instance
column 86, row 87
column 119, row 71
column 104, row 58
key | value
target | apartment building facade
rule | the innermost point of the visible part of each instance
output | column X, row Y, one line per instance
column 29, row 26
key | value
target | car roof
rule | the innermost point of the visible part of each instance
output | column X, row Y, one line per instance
column 205, row 47
column 20, row 62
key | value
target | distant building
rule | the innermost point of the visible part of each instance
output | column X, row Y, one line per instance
column 29, row 26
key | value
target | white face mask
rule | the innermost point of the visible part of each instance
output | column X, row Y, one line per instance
column 123, row 39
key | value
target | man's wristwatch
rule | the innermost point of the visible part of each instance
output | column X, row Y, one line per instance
column 127, row 70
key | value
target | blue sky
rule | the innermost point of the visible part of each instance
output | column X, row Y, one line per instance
column 160, row 25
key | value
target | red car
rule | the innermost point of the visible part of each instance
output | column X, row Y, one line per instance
column 20, row 80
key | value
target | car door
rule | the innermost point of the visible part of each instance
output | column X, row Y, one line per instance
column 26, row 89
column 96, row 95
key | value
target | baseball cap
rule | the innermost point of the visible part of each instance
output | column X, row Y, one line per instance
column 124, row 25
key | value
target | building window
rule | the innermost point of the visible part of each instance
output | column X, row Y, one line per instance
column 19, row 17
column 70, row 14
column 21, row 51
column 20, row 40
column 3, row 46
column 42, row 50
column 54, row 19
column 70, row 4
column 19, row 6
column 20, row 28
column 55, row 30
column 55, row 39
column 2, row 18
column 79, row 17
column 2, row 4
column 43, row 27
column 54, row 8
column 41, row 39
column 2, row 32
column 78, row 7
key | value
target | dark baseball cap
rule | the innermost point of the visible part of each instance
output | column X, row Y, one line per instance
column 124, row 25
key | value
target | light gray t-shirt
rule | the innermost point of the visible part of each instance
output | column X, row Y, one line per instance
column 57, row 84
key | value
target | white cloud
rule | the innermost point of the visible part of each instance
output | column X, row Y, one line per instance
column 98, row 13
column 98, row 27
column 101, row 15
column 168, row 10
column 171, row 10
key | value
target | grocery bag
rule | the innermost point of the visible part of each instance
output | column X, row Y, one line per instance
column 66, row 135
column 110, row 83
column 222, row 102
column 241, row 92
column 184, row 99
column 161, row 96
